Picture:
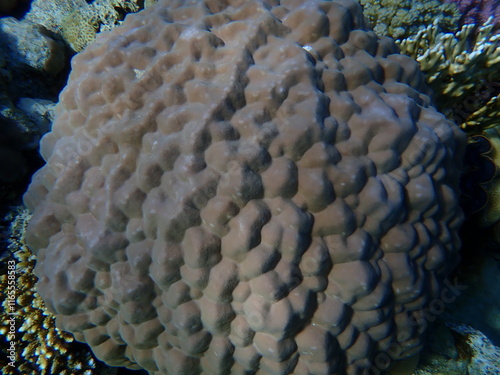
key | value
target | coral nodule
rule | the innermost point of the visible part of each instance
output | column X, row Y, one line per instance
column 246, row 187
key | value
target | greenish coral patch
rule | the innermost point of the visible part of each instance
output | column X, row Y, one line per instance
column 402, row 18
column 79, row 28
column 78, row 21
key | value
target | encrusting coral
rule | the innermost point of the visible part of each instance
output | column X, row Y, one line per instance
column 80, row 27
column 245, row 187
column 78, row 21
column 40, row 347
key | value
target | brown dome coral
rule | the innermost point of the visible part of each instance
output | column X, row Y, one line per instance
column 245, row 187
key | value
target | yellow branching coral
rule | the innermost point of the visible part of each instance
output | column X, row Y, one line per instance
column 485, row 117
column 39, row 347
column 463, row 69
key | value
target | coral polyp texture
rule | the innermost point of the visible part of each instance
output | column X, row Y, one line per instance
column 245, row 187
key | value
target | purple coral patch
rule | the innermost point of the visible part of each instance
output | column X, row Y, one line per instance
column 478, row 11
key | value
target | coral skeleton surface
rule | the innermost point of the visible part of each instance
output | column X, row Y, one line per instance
column 245, row 187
